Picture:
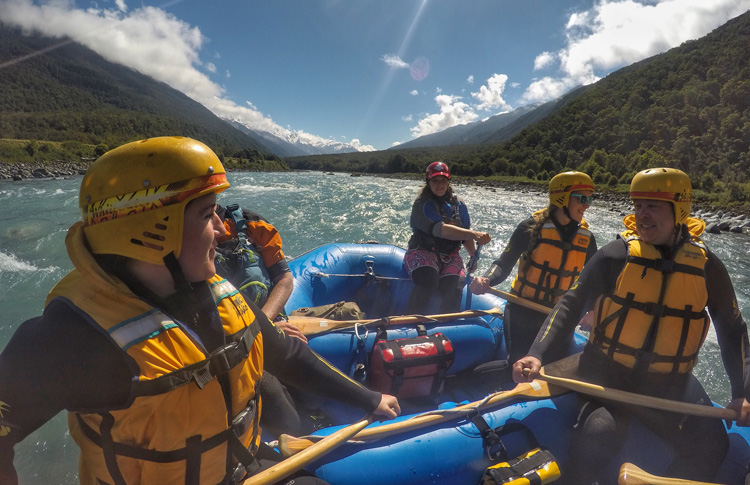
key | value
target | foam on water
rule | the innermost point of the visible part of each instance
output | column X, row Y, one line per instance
column 10, row 263
column 308, row 209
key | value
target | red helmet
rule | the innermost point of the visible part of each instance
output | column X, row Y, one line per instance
column 436, row 169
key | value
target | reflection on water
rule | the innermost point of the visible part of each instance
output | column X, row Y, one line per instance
column 309, row 209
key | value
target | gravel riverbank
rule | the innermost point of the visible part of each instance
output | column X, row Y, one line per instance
column 41, row 170
column 717, row 220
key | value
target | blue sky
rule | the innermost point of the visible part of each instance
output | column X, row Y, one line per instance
column 372, row 73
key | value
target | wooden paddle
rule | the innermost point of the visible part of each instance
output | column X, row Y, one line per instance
column 637, row 399
column 315, row 325
column 290, row 445
column 307, row 456
column 520, row 301
column 632, row 475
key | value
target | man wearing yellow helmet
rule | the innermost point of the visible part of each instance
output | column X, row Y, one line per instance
column 156, row 358
column 655, row 287
column 553, row 246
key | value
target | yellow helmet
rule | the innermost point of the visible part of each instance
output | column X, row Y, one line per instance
column 667, row 184
column 133, row 197
column 564, row 183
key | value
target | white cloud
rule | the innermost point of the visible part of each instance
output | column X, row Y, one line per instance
column 438, row 90
column 547, row 88
column 490, row 96
column 360, row 147
column 453, row 112
column 147, row 39
column 470, row 79
column 211, row 67
column 393, row 60
column 543, row 60
column 414, row 92
column 617, row 33
column 407, row 118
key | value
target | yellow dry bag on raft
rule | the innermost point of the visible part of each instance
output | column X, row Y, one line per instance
column 535, row 467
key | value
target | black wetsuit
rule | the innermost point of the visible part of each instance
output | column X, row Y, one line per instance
column 60, row 362
column 521, row 324
column 700, row 443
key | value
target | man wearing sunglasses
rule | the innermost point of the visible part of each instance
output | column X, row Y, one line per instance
column 655, row 291
column 552, row 245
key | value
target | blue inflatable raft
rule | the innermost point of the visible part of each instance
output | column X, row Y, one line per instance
column 452, row 451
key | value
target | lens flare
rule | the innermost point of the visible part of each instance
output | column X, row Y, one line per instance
column 420, row 68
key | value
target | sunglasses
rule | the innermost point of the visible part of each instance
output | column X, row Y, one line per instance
column 583, row 199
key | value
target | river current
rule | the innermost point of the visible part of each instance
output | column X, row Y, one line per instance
column 309, row 209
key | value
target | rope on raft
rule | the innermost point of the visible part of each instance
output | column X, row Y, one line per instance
column 320, row 274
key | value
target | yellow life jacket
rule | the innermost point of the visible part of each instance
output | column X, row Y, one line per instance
column 175, row 428
column 655, row 319
column 553, row 265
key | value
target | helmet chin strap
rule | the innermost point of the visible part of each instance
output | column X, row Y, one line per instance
column 181, row 284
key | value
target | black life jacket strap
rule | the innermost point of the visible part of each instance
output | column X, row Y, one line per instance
column 194, row 448
column 659, row 310
column 665, row 266
column 218, row 363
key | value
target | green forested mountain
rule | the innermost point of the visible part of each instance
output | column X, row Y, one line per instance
column 71, row 94
column 688, row 108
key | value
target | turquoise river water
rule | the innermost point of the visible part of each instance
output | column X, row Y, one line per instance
column 309, row 209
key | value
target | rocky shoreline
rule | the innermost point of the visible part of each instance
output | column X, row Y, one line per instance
column 41, row 170
column 717, row 221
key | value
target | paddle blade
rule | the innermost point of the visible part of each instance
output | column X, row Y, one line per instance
column 632, row 475
column 290, row 445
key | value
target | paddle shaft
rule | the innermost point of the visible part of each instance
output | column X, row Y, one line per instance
column 314, row 325
column 467, row 280
column 520, row 301
column 532, row 390
column 307, row 456
column 640, row 399
column 535, row 390
column 632, row 475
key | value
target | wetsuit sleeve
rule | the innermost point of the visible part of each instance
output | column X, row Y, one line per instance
column 518, row 243
column 730, row 327
column 268, row 239
column 295, row 364
column 52, row 363
column 598, row 277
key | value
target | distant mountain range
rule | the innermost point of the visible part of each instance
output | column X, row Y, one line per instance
column 292, row 144
column 688, row 108
column 72, row 93
column 496, row 129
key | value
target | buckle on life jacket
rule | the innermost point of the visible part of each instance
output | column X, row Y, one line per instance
column 242, row 472
column 244, row 418
column 664, row 265
column 655, row 309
